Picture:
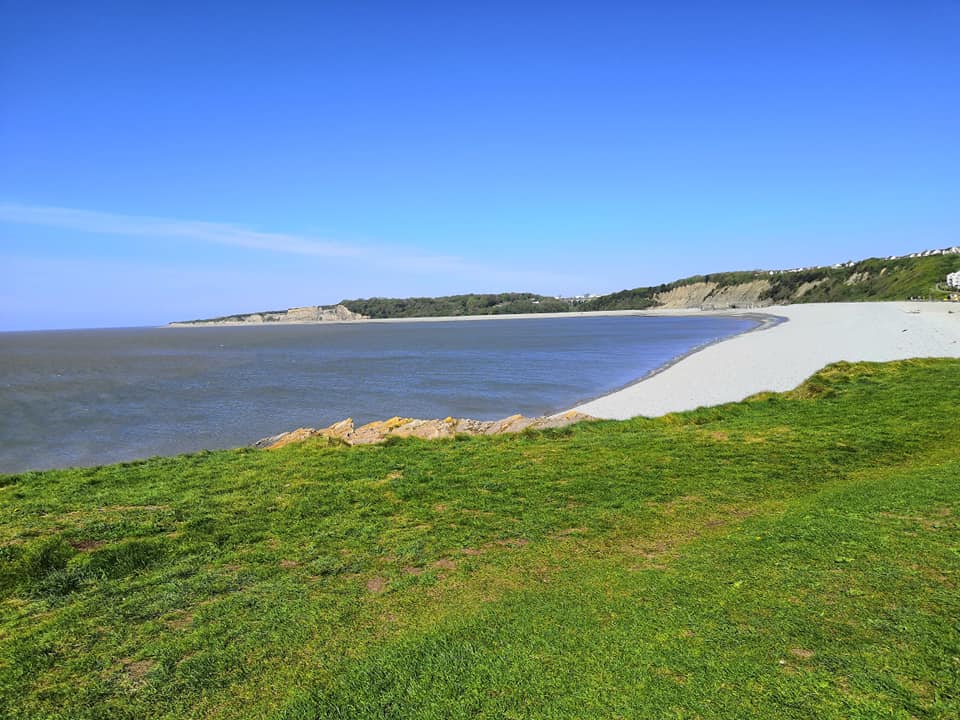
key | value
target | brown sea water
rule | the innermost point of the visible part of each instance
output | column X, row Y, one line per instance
column 87, row 397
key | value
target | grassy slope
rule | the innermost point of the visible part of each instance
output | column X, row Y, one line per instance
column 872, row 279
column 884, row 280
column 793, row 556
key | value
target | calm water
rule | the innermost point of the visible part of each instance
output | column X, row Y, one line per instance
column 95, row 396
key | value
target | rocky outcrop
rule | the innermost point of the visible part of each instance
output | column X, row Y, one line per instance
column 711, row 296
column 317, row 313
column 858, row 277
column 380, row 430
column 806, row 287
column 685, row 296
column 307, row 314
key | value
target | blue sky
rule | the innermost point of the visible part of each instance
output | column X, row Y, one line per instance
column 173, row 160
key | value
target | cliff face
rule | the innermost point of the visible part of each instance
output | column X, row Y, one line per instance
column 315, row 313
column 307, row 314
column 711, row 296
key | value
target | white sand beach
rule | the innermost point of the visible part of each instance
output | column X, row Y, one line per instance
column 780, row 357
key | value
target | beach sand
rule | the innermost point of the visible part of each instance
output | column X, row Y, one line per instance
column 783, row 355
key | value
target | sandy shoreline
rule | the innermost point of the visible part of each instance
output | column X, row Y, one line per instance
column 790, row 343
column 780, row 356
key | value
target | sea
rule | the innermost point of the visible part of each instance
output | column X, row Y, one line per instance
column 91, row 397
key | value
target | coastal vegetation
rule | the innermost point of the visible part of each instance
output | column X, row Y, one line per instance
column 794, row 555
column 901, row 278
column 457, row 305
column 873, row 279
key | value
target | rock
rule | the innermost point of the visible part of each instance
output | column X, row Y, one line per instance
column 268, row 441
column 379, row 430
column 294, row 436
column 339, row 430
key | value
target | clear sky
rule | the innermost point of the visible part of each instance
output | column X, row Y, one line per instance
column 172, row 160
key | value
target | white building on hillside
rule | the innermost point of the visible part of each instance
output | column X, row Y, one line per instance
column 953, row 280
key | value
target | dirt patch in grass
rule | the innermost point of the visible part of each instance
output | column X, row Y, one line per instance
column 670, row 674
column 659, row 549
column 445, row 564
column 136, row 670
column 289, row 563
column 935, row 521
column 86, row 545
column 802, row 653
column 179, row 622
column 570, row 531
column 769, row 434
column 376, row 584
column 129, row 508
column 511, row 542
column 678, row 503
column 932, row 574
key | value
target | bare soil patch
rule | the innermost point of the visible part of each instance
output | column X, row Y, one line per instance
column 87, row 545
column 376, row 584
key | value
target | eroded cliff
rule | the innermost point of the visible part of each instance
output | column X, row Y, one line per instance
column 307, row 314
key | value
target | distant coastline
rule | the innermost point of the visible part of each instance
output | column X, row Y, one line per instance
column 653, row 312
column 923, row 275
column 292, row 316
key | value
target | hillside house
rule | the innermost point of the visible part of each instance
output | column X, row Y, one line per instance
column 953, row 280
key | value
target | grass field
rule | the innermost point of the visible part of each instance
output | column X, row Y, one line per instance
column 791, row 556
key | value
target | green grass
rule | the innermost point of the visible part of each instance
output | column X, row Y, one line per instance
column 792, row 556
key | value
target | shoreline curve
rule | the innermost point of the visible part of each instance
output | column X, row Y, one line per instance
column 806, row 338
column 764, row 321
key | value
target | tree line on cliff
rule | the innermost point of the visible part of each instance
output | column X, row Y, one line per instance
column 872, row 279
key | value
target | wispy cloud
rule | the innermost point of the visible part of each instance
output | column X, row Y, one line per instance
column 401, row 259
column 211, row 232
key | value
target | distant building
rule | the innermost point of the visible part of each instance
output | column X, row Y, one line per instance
column 953, row 280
